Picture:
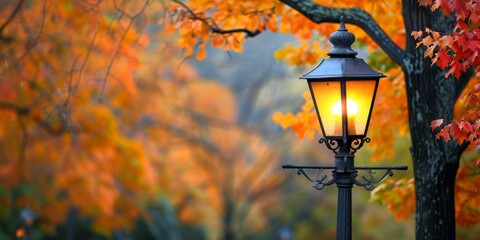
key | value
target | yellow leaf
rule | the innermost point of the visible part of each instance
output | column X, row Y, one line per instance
column 280, row 54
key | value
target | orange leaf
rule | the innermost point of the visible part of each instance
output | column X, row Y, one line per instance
column 427, row 41
column 429, row 53
column 286, row 120
column 417, row 34
column 201, row 55
column 272, row 24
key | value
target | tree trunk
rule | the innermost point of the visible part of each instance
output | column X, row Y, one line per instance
column 229, row 233
column 430, row 96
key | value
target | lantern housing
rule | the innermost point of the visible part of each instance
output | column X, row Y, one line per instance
column 343, row 90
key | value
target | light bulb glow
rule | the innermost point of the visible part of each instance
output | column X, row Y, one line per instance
column 352, row 107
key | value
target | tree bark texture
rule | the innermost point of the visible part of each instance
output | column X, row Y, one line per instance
column 430, row 96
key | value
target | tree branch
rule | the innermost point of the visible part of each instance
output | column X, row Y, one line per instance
column 19, row 110
column 10, row 18
column 119, row 44
column 356, row 16
column 213, row 26
column 25, row 111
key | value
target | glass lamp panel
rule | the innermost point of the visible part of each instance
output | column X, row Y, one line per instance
column 360, row 95
column 326, row 95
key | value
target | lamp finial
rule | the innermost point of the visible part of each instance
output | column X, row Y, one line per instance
column 342, row 24
column 342, row 41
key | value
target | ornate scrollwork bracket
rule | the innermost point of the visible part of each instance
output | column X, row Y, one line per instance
column 321, row 180
column 357, row 144
column 332, row 144
column 335, row 144
column 369, row 180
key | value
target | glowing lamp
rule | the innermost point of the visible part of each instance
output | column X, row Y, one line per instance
column 343, row 90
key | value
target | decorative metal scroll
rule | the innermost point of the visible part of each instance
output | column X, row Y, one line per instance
column 368, row 182
column 320, row 180
column 332, row 144
column 357, row 144
column 335, row 144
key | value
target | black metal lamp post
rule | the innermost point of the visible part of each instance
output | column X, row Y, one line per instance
column 343, row 90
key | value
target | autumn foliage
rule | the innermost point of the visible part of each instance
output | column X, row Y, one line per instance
column 59, row 126
column 455, row 53
column 101, row 112
column 100, row 115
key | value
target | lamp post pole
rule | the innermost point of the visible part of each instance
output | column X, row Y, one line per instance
column 343, row 85
column 344, row 184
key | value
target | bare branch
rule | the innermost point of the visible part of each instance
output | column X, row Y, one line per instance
column 25, row 111
column 318, row 14
column 23, row 148
column 10, row 18
column 73, row 86
column 213, row 26
column 12, row 107
column 119, row 44
column 31, row 41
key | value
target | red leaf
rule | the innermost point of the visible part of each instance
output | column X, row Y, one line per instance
column 469, row 61
column 424, row 2
column 476, row 124
column 461, row 41
column 460, row 25
column 458, row 133
column 472, row 45
column 436, row 123
column 456, row 69
column 443, row 5
column 459, row 7
column 472, row 100
column 442, row 59
column 475, row 18
column 444, row 133
column 466, row 126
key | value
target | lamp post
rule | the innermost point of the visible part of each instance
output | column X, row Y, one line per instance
column 343, row 90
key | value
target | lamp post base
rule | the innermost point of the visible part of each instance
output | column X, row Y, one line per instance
column 344, row 174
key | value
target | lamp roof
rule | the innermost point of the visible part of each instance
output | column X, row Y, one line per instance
column 353, row 68
column 342, row 62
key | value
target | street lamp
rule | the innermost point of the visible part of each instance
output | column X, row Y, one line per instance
column 343, row 90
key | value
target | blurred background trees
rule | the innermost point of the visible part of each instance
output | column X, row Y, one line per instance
column 120, row 119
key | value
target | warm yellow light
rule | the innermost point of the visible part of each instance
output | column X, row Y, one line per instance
column 352, row 107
